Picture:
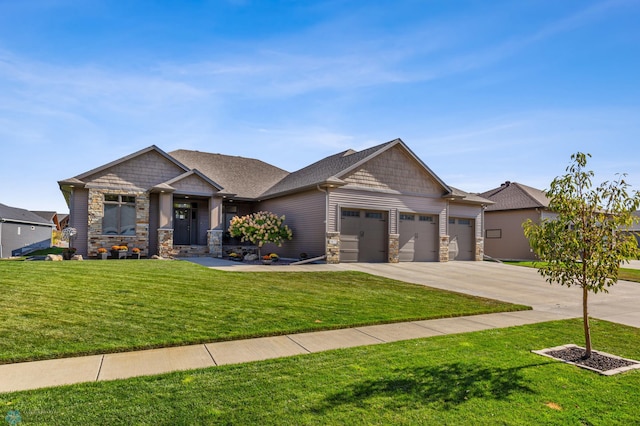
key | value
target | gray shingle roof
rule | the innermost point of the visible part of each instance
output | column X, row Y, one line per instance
column 245, row 177
column 15, row 214
column 514, row 196
column 469, row 197
column 326, row 170
column 47, row 215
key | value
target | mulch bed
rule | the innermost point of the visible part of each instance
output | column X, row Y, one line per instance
column 600, row 362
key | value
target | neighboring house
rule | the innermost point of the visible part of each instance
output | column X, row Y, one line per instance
column 635, row 228
column 22, row 232
column 514, row 203
column 53, row 217
column 381, row 204
column 63, row 221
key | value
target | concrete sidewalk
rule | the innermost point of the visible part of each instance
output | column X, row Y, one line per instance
column 66, row 371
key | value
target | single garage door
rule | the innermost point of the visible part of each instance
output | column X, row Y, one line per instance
column 363, row 236
column 418, row 237
column 461, row 239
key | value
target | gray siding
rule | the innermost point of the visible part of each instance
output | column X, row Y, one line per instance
column 203, row 221
column 154, row 223
column 79, row 218
column 390, row 202
column 305, row 215
column 19, row 238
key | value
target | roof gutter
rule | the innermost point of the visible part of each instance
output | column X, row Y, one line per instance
column 26, row 222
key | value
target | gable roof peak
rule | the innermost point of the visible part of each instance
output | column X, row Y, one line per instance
column 513, row 196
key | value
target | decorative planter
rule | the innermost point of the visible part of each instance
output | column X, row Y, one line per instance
column 119, row 254
column 103, row 256
column 267, row 261
column 135, row 255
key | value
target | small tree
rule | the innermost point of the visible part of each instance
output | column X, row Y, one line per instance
column 587, row 241
column 260, row 228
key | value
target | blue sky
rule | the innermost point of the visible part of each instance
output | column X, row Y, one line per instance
column 481, row 91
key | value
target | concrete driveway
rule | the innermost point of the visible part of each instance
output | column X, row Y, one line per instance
column 514, row 284
column 509, row 283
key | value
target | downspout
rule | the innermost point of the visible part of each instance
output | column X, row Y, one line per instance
column 482, row 228
column 326, row 215
column 1, row 223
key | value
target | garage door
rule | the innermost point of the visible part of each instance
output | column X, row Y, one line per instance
column 461, row 237
column 418, row 237
column 363, row 236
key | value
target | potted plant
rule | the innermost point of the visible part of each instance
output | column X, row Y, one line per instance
column 274, row 257
column 235, row 256
column 266, row 259
column 119, row 252
column 102, row 253
column 135, row 253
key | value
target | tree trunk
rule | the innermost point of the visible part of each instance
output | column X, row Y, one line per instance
column 585, row 321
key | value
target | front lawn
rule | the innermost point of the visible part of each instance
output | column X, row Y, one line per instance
column 482, row 378
column 56, row 309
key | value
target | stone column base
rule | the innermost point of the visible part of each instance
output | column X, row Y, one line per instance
column 333, row 247
column 165, row 242
column 480, row 249
column 444, row 249
column 394, row 248
column 214, row 240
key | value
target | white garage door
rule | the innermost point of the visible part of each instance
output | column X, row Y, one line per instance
column 418, row 237
column 363, row 236
column 461, row 237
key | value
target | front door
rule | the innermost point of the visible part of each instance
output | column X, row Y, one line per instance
column 185, row 224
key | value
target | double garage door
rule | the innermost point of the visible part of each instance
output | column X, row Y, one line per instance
column 364, row 237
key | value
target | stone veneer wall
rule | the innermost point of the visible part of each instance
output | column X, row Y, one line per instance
column 214, row 239
column 394, row 248
column 444, row 248
column 333, row 247
column 165, row 242
column 95, row 238
column 479, row 248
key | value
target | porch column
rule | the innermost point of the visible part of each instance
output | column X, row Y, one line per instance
column 166, row 210
column 215, row 213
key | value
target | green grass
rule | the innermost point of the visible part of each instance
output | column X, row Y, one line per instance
column 483, row 378
column 626, row 274
column 56, row 309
